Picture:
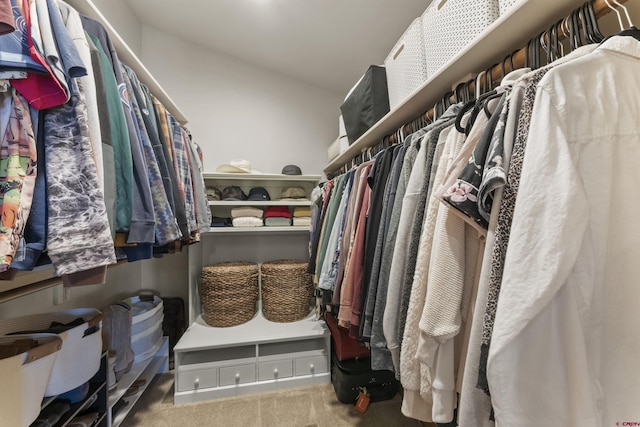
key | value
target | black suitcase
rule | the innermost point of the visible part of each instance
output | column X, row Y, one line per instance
column 350, row 376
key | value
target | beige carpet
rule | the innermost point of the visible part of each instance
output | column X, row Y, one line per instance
column 315, row 406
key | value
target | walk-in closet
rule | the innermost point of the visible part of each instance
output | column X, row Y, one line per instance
column 408, row 213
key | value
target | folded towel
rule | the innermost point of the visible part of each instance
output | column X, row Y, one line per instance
column 302, row 211
column 302, row 221
column 244, row 211
column 247, row 221
column 277, row 222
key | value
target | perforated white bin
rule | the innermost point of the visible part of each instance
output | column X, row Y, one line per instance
column 24, row 378
column 449, row 26
column 79, row 358
column 405, row 65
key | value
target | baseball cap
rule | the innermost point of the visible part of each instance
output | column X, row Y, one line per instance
column 214, row 194
column 293, row 193
column 291, row 170
column 233, row 192
column 258, row 194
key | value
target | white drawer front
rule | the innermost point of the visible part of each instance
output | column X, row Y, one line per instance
column 312, row 365
column 240, row 374
column 194, row 380
column 275, row 370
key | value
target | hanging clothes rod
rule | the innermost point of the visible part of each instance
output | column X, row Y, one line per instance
column 514, row 60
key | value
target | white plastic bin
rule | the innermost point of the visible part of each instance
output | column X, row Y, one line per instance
column 79, row 358
column 405, row 65
column 24, row 378
column 449, row 26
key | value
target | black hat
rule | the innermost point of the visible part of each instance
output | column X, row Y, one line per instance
column 291, row 170
column 233, row 193
column 258, row 194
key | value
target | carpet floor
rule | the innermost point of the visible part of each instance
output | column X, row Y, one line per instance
column 314, row 406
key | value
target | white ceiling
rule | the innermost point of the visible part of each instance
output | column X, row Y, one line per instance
column 327, row 43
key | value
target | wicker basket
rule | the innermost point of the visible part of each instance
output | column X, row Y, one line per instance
column 229, row 293
column 286, row 290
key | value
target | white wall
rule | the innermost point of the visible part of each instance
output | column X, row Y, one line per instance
column 239, row 111
column 123, row 20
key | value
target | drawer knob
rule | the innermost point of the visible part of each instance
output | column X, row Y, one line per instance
column 311, row 367
column 196, row 383
column 237, row 377
column 275, row 372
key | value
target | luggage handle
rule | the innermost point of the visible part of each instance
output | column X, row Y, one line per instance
column 44, row 350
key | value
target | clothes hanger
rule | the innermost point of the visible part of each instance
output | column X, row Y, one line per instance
column 592, row 21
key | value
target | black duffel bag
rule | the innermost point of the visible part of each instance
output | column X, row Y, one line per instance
column 367, row 103
column 349, row 377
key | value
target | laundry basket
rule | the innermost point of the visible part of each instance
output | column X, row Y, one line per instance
column 24, row 377
column 79, row 358
column 146, row 326
column 229, row 293
column 286, row 290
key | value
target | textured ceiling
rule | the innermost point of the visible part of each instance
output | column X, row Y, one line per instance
column 327, row 43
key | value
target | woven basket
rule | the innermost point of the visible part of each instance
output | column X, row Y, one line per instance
column 229, row 293
column 286, row 290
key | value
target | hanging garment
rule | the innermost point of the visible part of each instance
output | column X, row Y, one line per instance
column 413, row 375
column 377, row 181
column 18, row 169
column 142, row 222
column 389, row 192
column 573, row 274
column 353, row 262
column 41, row 88
column 79, row 239
column 507, row 204
column 202, row 210
column 328, row 275
column 86, row 84
column 166, row 143
column 392, row 266
column 166, row 229
column 475, row 405
column 123, row 163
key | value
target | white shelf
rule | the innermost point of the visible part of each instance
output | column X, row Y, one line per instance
column 258, row 230
column 508, row 33
column 128, row 57
column 146, row 370
column 260, row 177
column 200, row 336
column 232, row 203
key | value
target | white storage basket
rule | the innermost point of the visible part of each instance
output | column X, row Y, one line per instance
column 405, row 65
column 79, row 358
column 451, row 25
column 24, row 378
column 144, row 343
column 505, row 5
column 146, row 319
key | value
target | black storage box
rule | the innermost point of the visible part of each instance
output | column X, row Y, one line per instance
column 366, row 104
column 349, row 376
